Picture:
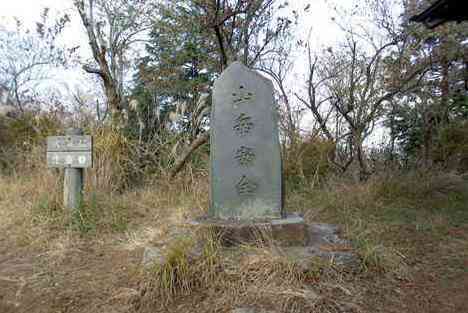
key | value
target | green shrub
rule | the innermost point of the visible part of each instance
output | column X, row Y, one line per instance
column 452, row 148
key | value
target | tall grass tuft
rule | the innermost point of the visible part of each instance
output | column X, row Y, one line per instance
column 187, row 265
column 113, row 154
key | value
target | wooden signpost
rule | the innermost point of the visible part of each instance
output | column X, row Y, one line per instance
column 74, row 152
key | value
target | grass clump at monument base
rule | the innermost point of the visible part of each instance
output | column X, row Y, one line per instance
column 186, row 264
column 198, row 266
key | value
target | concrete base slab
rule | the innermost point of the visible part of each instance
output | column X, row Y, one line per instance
column 288, row 231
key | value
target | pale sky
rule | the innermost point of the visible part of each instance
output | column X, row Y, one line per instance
column 28, row 11
column 318, row 18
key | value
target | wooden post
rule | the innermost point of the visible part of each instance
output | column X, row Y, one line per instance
column 73, row 182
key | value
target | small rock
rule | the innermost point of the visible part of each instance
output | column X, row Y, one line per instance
column 320, row 234
column 325, row 243
column 152, row 255
column 340, row 258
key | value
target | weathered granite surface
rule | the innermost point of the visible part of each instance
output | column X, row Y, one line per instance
column 245, row 148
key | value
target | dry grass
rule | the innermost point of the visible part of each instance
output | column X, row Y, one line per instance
column 188, row 264
column 31, row 197
column 113, row 156
column 428, row 201
column 209, row 278
column 27, row 204
column 224, row 278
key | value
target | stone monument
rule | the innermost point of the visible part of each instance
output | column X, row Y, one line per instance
column 246, row 178
column 245, row 148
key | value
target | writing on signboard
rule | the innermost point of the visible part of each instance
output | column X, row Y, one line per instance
column 76, row 159
column 70, row 151
column 69, row 143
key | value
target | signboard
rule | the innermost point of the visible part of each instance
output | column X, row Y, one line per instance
column 70, row 151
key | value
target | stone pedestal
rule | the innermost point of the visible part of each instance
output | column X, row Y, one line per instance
column 303, row 243
column 288, row 231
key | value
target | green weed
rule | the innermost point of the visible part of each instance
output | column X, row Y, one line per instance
column 99, row 213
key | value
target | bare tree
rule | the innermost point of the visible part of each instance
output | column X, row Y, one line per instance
column 113, row 28
column 85, row 101
column 318, row 102
column 358, row 91
column 349, row 87
column 26, row 58
column 314, row 101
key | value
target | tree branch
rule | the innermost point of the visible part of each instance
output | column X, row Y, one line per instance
column 180, row 162
column 92, row 70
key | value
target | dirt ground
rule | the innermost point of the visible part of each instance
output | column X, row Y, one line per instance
column 438, row 276
column 90, row 277
column 93, row 275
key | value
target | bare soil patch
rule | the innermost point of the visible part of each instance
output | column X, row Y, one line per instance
column 90, row 277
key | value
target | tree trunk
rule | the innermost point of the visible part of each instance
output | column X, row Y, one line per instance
column 115, row 105
column 110, row 81
column 428, row 133
column 445, row 91
column 360, row 156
